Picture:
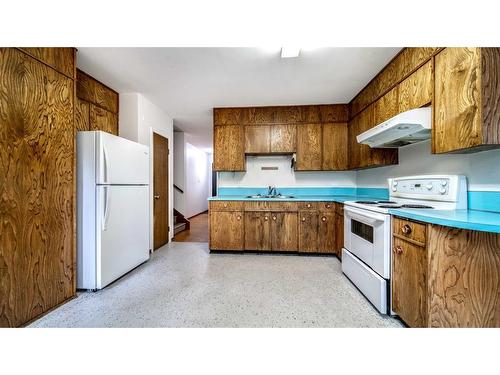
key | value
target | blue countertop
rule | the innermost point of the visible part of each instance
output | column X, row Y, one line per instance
column 465, row 219
column 297, row 198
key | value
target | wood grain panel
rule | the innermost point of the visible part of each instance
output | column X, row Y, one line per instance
column 228, row 205
column 413, row 57
column 309, row 147
column 334, row 113
column 386, row 107
column 410, row 229
column 283, row 138
column 339, row 233
column 229, row 152
column 326, row 232
column 82, row 115
column 37, row 257
column 409, row 282
column 257, row 230
column 334, row 147
column 417, row 90
column 100, row 119
column 227, row 116
column 226, row 230
column 95, row 92
column 308, row 231
column 310, row 114
column 284, row 231
column 257, row 139
column 457, row 102
column 464, row 278
column 61, row 59
column 490, row 95
column 289, row 115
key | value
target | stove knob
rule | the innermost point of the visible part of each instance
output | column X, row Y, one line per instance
column 429, row 186
column 442, row 190
column 394, row 188
column 395, row 183
column 444, row 182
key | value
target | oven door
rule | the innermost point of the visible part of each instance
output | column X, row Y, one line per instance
column 367, row 235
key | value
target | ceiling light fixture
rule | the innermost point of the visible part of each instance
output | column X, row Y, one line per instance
column 288, row 52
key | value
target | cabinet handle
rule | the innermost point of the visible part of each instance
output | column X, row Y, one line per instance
column 266, row 218
column 225, row 205
column 398, row 249
column 238, row 217
column 323, row 219
column 303, row 219
column 406, row 229
column 327, row 206
column 274, row 217
column 309, row 205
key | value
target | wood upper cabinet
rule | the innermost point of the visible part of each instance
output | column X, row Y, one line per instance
column 93, row 91
column 309, row 147
column 257, row 139
column 385, row 108
column 226, row 230
column 228, row 116
column 283, row 139
column 229, row 148
column 62, row 59
column 466, row 100
column 417, row 90
column 101, row 119
column 82, row 115
column 284, row 231
column 326, row 232
column 257, row 230
column 335, row 148
column 409, row 282
column 308, row 231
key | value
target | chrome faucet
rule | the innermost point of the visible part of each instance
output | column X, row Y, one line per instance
column 271, row 191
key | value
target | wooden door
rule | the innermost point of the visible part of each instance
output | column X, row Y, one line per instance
column 326, row 232
column 226, row 230
column 283, row 139
column 229, row 148
column 37, row 247
column 409, row 282
column 100, row 119
column 308, row 231
column 257, row 139
column 257, row 230
column 160, row 190
column 309, row 145
column 334, row 147
column 284, row 231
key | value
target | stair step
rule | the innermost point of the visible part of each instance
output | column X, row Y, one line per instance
column 179, row 227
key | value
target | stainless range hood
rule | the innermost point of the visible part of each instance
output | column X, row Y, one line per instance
column 403, row 129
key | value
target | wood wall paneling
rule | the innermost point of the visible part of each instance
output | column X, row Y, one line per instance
column 335, row 147
column 258, row 139
column 309, row 147
column 82, row 115
column 37, row 256
column 61, row 59
column 464, row 278
column 229, row 148
column 417, row 90
column 283, row 138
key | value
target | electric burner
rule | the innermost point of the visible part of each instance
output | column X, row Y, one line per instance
column 389, row 206
column 415, row 206
column 366, row 202
column 386, row 202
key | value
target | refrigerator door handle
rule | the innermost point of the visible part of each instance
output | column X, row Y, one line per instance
column 105, row 162
column 106, row 205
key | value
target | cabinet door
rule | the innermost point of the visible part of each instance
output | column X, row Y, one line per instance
column 326, row 232
column 100, row 119
column 257, row 226
column 409, row 282
column 82, row 115
column 309, row 145
column 339, row 234
column 457, row 100
column 283, row 138
column 229, row 153
column 257, row 139
column 284, row 231
column 416, row 91
column 308, row 231
column 353, row 146
column 334, row 147
column 226, row 230
column 386, row 107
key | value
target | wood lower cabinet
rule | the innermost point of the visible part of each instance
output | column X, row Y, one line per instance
column 326, row 232
column 308, row 231
column 257, row 230
column 284, row 231
column 227, row 230
column 229, row 148
column 309, row 147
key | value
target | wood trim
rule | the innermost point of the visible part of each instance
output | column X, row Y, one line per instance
column 198, row 214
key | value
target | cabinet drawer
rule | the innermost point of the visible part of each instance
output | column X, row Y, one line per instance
column 326, row 206
column 308, row 205
column 226, row 205
column 257, row 206
column 283, row 206
column 410, row 229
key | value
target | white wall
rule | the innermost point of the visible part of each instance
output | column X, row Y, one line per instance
column 482, row 169
column 179, row 171
column 139, row 118
column 196, row 181
column 285, row 176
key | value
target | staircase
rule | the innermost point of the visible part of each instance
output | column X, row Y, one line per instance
column 180, row 222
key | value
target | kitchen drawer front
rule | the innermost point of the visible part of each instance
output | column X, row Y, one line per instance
column 226, row 205
column 305, row 206
column 339, row 208
column 410, row 229
column 257, row 206
column 326, row 206
column 283, row 206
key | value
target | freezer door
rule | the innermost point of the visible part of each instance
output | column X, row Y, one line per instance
column 122, row 231
column 120, row 161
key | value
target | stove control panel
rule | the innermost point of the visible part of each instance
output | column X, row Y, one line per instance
column 430, row 186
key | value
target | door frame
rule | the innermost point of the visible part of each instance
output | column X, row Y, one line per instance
column 151, row 185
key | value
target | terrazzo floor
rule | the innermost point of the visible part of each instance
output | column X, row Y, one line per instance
column 183, row 285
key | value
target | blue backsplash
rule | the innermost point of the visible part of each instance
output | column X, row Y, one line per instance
column 477, row 200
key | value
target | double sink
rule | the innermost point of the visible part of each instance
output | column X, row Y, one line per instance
column 275, row 196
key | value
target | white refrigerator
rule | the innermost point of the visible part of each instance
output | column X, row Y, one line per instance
column 112, row 207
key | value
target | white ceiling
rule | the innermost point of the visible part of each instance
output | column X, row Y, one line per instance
column 188, row 82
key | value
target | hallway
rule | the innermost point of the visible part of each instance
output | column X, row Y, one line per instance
column 198, row 231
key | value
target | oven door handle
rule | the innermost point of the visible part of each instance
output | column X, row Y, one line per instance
column 367, row 217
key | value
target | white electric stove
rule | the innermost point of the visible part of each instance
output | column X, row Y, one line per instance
column 366, row 257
